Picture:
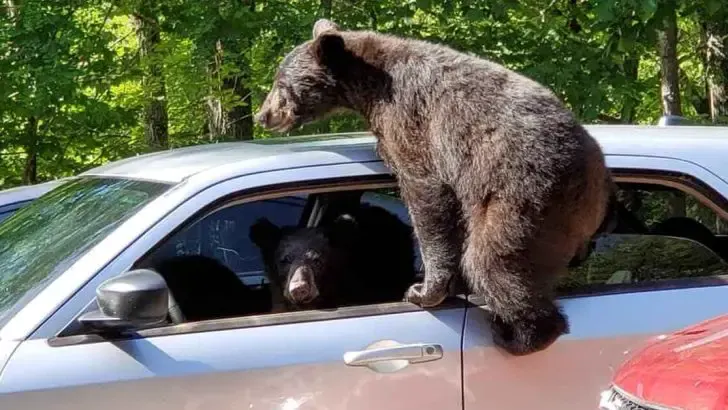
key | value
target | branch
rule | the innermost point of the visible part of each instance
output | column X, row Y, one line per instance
column 609, row 119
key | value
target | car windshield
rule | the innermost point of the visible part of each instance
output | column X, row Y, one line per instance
column 47, row 236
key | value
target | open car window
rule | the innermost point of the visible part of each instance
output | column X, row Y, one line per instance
column 623, row 259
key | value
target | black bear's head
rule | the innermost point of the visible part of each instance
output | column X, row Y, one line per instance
column 305, row 84
column 306, row 264
column 334, row 71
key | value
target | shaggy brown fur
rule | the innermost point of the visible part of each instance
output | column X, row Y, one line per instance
column 501, row 181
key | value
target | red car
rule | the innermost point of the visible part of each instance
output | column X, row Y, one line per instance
column 686, row 370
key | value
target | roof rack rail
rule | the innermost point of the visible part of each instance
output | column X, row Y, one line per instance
column 667, row 120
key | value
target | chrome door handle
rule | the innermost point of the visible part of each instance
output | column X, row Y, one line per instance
column 412, row 353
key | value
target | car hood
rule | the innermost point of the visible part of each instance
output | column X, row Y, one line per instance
column 687, row 369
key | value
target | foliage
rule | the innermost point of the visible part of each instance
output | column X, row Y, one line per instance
column 647, row 259
column 72, row 81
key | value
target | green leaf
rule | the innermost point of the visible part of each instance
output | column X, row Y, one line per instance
column 605, row 10
column 647, row 9
column 713, row 7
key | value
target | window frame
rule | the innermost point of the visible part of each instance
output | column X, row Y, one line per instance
column 681, row 181
column 69, row 334
column 375, row 179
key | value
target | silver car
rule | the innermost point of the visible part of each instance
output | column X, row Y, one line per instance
column 84, row 326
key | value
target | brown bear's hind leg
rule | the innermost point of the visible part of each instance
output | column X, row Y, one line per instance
column 435, row 214
column 497, row 266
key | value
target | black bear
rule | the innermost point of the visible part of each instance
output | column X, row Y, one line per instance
column 359, row 257
column 503, row 184
column 206, row 289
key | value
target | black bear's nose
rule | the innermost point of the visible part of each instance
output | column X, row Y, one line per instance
column 302, row 286
column 300, row 293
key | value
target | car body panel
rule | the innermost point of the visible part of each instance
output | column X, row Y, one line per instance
column 604, row 331
column 260, row 367
column 687, row 369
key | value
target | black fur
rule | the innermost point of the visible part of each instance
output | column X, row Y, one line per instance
column 361, row 257
column 503, row 184
column 206, row 289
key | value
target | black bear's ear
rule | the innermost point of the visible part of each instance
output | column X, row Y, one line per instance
column 346, row 220
column 329, row 48
column 264, row 233
column 344, row 226
column 323, row 25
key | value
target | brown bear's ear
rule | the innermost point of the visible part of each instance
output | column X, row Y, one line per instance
column 264, row 234
column 329, row 48
column 322, row 25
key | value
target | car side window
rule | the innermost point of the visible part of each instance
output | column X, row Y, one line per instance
column 666, row 234
column 390, row 200
column 623, row 259
column 652, row 204
column 223, row 236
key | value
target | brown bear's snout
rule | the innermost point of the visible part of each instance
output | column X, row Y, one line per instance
column 302, row 286
column 263, row 118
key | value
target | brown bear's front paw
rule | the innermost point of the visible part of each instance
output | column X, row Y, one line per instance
column 423, row 297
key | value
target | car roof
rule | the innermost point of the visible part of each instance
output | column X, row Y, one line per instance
column 705, row 145
column 27, row 192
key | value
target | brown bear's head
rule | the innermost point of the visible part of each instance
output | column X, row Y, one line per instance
column 305, row 87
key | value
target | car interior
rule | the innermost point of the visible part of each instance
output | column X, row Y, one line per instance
column 222, row 234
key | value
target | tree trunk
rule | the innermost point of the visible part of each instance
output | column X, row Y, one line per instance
column 669, row 70
column 715, row 59
column 227, row 121
column 670, row 80
column 224, row 121
column 631, row 71
column 30, row 174
column 12, row 9
column 717, row 67
column 148, row 33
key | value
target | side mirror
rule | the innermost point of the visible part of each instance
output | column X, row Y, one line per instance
column 134, row 299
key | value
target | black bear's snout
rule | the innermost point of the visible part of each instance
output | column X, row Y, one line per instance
column 302, row 285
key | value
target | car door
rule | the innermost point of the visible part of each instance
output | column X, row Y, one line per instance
column 636, row 287
column 274, row 366
column 387, row 356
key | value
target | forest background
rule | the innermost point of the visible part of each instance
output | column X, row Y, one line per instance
column 86, row 82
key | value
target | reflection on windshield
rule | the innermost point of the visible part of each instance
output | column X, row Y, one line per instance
column 44, row 238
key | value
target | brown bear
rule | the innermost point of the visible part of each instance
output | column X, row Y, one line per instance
column 502, row 183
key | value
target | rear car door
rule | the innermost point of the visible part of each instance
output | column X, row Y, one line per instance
column 386, row 356
column 663, row 273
